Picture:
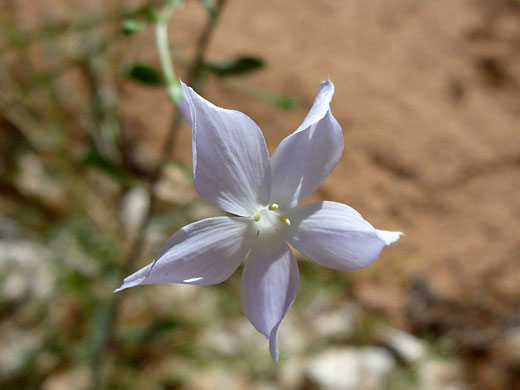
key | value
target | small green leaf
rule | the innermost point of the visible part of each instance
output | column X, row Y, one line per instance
column 132, row 25
column 158, row 329
column 143, row 73
column 210, row 6
column 283, row 101
column 94, row 159
column 235, row 66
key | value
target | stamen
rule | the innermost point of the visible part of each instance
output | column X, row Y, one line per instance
column 256, row 217
column 285, row 220
column 273, row 207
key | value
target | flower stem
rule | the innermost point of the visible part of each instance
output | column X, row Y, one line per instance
column 110, row 310
column 161, row 36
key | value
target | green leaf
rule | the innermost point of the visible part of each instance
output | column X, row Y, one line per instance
column 283, row 101
column 156, row 330
column 210, row 6
column 235, row 66
column 132, row 25
column 143, row 73
column 94, row 159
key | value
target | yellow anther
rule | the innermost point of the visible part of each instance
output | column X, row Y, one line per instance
column 285, row 220
column 273, row 207
column 256, row 217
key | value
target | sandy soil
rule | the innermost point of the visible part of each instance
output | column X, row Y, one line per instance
column 428, row 96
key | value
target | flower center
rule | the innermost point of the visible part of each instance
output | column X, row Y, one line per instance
column 269, row 219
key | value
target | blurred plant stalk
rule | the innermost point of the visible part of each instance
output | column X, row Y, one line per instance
column 108, row 313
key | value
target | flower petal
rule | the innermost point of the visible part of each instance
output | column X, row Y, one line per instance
column 269, row 284
column 231, row 165
column 304, row 159
column 204, row 252
column 184, row 109
column 335, row 235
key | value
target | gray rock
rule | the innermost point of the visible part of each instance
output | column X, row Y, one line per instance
column 409, row 348
column 17, row 348
column 336, row 369
column 174, row 186
column 218, row 378
column 337, row 323
column 134, row 208
column 511, row 346
column 376, row 366
column 291, row 374
column 26, row 270
column 366, row 368
column 440, row 375
column 35, row 180
column 78, row 379
column 221, row 341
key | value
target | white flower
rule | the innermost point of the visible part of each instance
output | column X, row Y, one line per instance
column 232, row 170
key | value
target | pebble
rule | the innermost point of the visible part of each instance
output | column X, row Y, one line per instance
column 350, row 368
column 440, row 375
column 337, row 323
column 134, row 208
column 409, row 348
column 26, row 270
column 511, row 346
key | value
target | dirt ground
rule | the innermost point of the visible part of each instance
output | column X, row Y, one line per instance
column 428, row 97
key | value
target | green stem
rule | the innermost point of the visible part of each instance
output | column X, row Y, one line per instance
column 161, row 34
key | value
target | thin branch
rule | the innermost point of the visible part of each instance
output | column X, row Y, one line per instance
column 110, row 311
column 202, row 45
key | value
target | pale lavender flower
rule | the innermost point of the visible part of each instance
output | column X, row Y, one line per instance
column 184, row 109
column 232, row 170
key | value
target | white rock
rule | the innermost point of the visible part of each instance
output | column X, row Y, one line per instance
column 35, row 180
column 67, row 249
column 77, row 379
column 17, row 347
column 440, row 375
column 134, row 207
column 26, row 270
column 217, row 378
column 263, row 386
column 511, row 345
column 174, row 186
column 291, row 336
column 221, row 341
column 336, row 369
column 407, row 347
column 376, row 365
column 337, row 323
column 249, row 337
column 365, row 368
column 291, row 374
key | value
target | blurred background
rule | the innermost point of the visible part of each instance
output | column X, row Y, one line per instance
column 95, row 174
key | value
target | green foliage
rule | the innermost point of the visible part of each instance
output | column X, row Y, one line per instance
column 235, row 66
column 132, row 25
column 143, row 73
column 94, row 159
column 210, row 6
column 157, row 329
column 283, row 101
column 137, row 20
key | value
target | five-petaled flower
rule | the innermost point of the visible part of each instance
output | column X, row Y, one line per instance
column 232, row 170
